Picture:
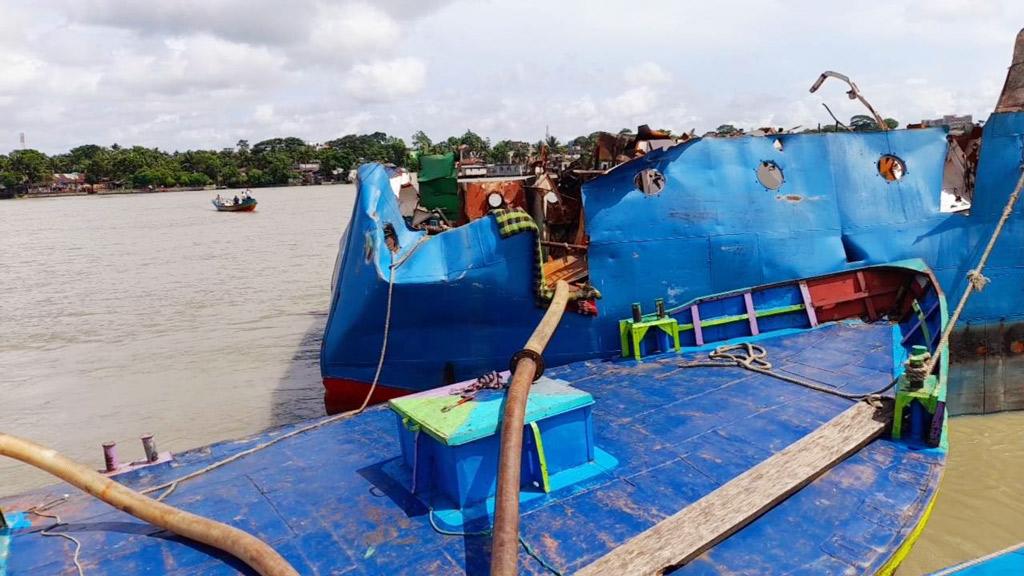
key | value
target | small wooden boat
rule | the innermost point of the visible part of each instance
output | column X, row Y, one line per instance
column 246, row 205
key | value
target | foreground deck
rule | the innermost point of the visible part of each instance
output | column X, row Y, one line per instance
column 336, row 500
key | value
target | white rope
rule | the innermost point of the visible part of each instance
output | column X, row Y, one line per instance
column 168, row 487
column 40, row 510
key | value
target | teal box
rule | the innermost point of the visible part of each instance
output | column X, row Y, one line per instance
column 455, row 454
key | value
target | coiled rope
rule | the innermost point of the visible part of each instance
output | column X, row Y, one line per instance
column 754, row 357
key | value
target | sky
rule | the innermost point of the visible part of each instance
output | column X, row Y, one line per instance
column 187, row 74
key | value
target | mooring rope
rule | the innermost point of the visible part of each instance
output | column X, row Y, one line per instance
column 41, row 510
column 755, row 359
column 976, row 280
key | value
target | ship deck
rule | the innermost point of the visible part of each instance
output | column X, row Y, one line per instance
column 336, row 500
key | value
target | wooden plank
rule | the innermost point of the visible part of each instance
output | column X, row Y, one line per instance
column 697, row 332
column 872, row 315
column 748, row 302
column 695, row 529
column 806, row 294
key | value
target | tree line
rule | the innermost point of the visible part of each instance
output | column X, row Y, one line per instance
column 272, row 162
column 275, row 162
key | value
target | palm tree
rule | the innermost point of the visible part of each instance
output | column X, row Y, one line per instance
column 553, row 144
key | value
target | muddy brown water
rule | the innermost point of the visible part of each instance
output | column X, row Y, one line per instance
column 122, row 315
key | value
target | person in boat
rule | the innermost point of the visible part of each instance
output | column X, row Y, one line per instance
column 219, row 200
column 236, row 200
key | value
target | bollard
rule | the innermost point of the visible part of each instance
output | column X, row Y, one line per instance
column 659, row 305
column 637, row 314
column 110, row 456
column 149, row 446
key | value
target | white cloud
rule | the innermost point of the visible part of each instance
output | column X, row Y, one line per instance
column 633, row 102
column 344, row 32
column 264, row 114
column 386, row 80
column 18, row 70
column 204, row 73
column 195, row 63
column 646, row 74
column 250, row 21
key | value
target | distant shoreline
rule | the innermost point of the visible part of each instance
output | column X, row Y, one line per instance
column 123, row 191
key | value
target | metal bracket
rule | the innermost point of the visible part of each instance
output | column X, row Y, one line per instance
column 853, row 93
column 527, row 353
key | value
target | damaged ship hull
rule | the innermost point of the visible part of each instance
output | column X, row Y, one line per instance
column 411, row 310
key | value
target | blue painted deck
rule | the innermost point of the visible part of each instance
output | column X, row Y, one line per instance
column 336, row 500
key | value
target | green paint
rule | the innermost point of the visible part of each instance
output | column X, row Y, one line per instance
column 426, row 414
column 743, row 317
column 925, row 331
column 541, row 457
column 631, row 333
column 780, row 310
column 481, row 417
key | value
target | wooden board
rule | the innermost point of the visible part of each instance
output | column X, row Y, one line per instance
column 710, row 520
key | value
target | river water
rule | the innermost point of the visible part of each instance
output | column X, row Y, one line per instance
column 122, row 315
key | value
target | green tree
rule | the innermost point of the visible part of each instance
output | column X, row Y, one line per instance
column 422, row 142
column 474, row 143
column 726, row 130
column 554, row 146
column 32, row 166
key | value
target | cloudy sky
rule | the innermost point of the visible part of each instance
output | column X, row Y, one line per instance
column 181, row 74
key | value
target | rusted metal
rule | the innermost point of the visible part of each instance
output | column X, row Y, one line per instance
column 505, row 542
column 853, row 93
column 254, row 552
column 1012, row 97
column 565, row 245
column 149, row 447
column 110, row 456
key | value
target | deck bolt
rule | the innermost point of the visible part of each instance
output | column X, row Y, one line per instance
column 110, row 456
column 149, row 445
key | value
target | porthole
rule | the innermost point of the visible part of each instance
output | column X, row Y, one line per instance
column 649, row 181
column 770, row 175
column 892, row 168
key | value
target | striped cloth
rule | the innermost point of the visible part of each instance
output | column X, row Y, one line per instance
column 514, row 221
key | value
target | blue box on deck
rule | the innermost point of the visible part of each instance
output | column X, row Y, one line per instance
column 455, row 453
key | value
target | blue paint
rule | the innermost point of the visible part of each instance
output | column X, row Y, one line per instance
column 465, row 473
column 713, row 228
column 15, row 521
column 339, row 499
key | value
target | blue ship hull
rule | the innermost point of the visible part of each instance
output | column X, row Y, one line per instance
column 463, row 300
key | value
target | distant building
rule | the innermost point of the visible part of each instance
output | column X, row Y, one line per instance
column 309, row 173
column 68, row 182
column 507, row 170
column 955, row 123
